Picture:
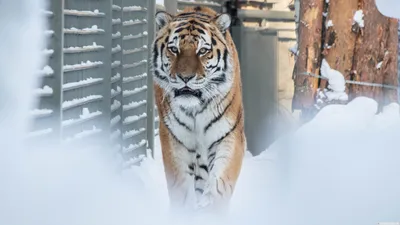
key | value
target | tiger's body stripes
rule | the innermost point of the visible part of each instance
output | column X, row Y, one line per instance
column 199, row 99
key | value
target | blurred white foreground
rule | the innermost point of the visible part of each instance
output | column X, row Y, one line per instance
column 341, row 168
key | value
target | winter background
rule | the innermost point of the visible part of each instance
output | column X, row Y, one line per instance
column 340, row 168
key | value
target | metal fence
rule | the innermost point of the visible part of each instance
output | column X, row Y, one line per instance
column 95, row 83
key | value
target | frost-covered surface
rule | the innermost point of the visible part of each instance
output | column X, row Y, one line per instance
column 133, row 147
column 85, row 48
column 90, row 30
column 85, row 115
column 126, row 93
column 45, row 90
column 116, row 35
column 131, row 36
column 41, row 112
column 46, row 71
column 133, row 78
column 134, row 118
column 83, row 134
column 141, row 62
column 79, row 101
column 74, row 12
column 48, row 52
column 133, row 8
column 116, row 91
column 132, row 133
column 115, row 134
column 81, row 66
column 133, row 105
column 115, row 105
column 359, row 18
column 116, row 21
column 134, row 22
column 115, row 78
column 116, row 49
column 337, row 83
column 41, row 132
column 82, row 83
column 115, row 63
column 115, row 120
column 116, row 7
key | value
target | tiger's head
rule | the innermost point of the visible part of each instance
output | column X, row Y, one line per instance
column 192, row 60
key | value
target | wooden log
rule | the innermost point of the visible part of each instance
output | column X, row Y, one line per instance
column 308, row 60
column 340, row 39
column 375, row 53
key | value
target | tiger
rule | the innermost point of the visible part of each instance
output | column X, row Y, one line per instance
column 198, row 94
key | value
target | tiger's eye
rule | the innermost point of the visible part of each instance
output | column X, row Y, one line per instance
column 173, row 49
column 203, row 51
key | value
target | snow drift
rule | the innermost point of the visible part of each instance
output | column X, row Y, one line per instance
column 340, row 168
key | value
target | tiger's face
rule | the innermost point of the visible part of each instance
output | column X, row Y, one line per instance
column 191, row 59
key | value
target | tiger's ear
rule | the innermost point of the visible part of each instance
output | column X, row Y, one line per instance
column 223, row 21
column 163, row 18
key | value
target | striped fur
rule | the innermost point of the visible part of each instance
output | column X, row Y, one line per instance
column 199, row 99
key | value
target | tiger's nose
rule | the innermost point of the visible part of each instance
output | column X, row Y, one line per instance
column 186, row 78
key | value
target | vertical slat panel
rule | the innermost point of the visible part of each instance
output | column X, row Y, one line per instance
column 134, row 86
column 87, row 70
column 47, row 115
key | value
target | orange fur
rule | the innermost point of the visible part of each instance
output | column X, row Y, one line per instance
column 186, row 64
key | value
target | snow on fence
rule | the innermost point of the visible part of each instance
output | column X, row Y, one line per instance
column 95, row 82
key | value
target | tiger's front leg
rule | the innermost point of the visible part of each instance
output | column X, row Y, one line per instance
column 225, row 162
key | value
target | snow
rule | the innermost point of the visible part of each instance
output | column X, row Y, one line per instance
column 46, row 71
column 47, row 12
column 78, row 101
column 116, row 7
column 83, row 65
column 131, row 36
column 116, row 21
column 126, row 93
column 379, row 65
column 48, row 52
column 90, row 30
column 116, row 49
column 329, row 24
column 83, row 134
column 294, row 50
column 115, row 92
column 115, row 63
column 133, row 105
column 337, row 83
column 115, row 105
column 81, row 83
column 49, row 32
column 359, row 18
column 133, row 78
column 132, row 119
column 132, row 133
column 73, row 12
column 133, row 8
column 115, row 120
column 133, row 147
column 126, row 66
column 86, row 115
column 116, row 35
column 131, row 51
column 134, row 22
column 37, row 133
column 85, row 48
column 115, row 78
column 115, row 134
column 41, row 112
column 45, row 90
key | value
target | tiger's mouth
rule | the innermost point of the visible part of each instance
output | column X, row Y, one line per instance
column 187, row 91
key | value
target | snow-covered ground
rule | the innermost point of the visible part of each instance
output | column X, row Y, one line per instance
column 340, row 168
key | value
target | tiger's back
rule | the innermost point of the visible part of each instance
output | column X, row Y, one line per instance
column 199, row 100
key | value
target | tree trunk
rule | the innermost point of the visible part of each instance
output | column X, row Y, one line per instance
column 308, row 60
column 366, row 53
column 375, row 58
column 340, row 40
